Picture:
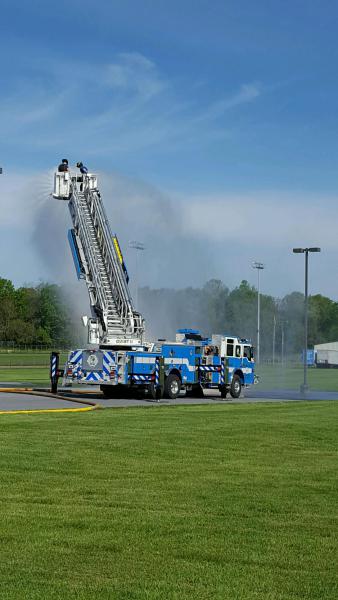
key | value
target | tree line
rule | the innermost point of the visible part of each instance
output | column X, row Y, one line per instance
column 215, row 308
column 35, row 316
column 43, row 315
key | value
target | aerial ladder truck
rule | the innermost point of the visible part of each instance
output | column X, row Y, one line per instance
column 117, row 357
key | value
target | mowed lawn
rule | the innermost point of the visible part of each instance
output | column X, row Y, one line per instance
column 31, row 376
column 27, row 368
column 277, row 376
column 27, row 358
column 210, row 502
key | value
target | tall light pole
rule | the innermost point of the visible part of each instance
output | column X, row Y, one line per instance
column 304, row 386
column 139, row 247
column 259, row 266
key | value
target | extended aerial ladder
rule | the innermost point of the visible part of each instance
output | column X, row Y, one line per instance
column 98, row 260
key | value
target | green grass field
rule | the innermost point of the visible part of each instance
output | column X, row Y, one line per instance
column 223, row 502
column 27, row 368
column 25, row 375
column 24, row 359
column 272, row 377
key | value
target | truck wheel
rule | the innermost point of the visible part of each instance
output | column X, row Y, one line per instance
column 195, row 392
column 172, row 387
column 224, row 391
column 113, row 391
column 236, row 387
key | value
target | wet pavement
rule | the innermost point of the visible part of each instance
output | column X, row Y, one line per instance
column 10, row 401
column 286, row 394
column 251, row 395
column 213, row 398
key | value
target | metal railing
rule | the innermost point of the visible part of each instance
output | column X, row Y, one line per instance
column 107, row 286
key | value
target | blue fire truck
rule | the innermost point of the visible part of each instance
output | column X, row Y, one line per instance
column 117, row 357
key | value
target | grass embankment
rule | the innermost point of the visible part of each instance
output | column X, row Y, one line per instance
column 272, row 377
column 222, row 502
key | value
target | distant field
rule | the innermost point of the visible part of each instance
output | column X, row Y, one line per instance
column 227, row 502
column 28, row 368
column 22, row 358
column 25, row 375
column 291, row 377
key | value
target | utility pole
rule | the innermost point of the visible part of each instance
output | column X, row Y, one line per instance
column 282, row 348
column 259, row 266
column 139, row 247
column 274, row 339
column 276, row 319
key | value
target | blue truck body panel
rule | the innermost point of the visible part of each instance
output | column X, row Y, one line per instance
column 75, row 254
column 188, row 361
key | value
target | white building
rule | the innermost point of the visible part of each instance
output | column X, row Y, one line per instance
column 327, row 354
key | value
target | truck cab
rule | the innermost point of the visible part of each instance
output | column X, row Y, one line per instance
column 226, row 362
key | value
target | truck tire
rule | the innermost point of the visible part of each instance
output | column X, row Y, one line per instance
column 195, row 392
column 224, row 391
column 172, row 387
column 113, row 391
column 236, row 387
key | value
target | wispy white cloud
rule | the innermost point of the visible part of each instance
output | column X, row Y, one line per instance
column 266, row 219
column 124, row 105
column 23, row 111
column 247, row 93
column 134, row 73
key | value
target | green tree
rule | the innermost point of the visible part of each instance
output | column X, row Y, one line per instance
column 21, row 332
column 291, row 320
column 215, row 296
column 27, row 304
column 54, row 318
column 7, row 303
column 323, row 320
column 241, row 311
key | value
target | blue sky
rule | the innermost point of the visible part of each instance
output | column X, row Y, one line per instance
column 216, row 104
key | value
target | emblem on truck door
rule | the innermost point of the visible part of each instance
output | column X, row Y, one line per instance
column 92, row 360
